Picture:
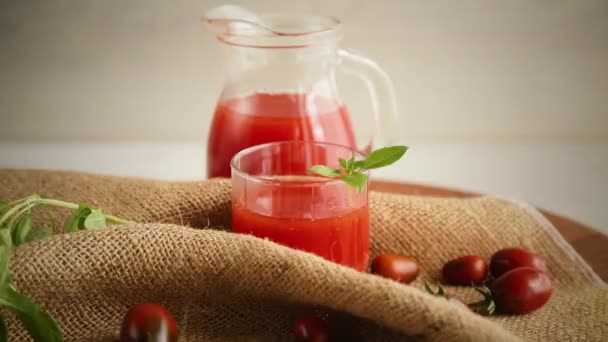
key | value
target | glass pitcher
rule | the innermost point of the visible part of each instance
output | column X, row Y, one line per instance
column 281, row 85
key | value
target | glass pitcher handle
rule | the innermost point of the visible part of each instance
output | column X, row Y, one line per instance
column 380, row 87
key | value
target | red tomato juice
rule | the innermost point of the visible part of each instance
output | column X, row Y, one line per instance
column 261, row 118
column 324, row 224
column 341, row 239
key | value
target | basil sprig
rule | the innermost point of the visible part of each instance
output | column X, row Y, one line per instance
column 353, row 171
column 16, row 228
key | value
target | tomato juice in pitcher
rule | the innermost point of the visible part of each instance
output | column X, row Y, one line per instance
column 281, row 85
column 261, row 118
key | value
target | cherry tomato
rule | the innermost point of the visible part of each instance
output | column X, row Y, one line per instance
column 396, row 267
column 510, row 258
column 521, row 290
column 148, row 322
column 465, row 270
column 311, row 329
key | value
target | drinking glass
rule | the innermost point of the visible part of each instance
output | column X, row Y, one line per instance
column 276, row 198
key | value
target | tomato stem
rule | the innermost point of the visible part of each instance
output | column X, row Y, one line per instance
column 487, row 303
column 440, row 290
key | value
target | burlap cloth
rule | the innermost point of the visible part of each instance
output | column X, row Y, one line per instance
column 223, row 286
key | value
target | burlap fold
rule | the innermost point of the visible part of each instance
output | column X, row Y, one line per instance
column 224, row 286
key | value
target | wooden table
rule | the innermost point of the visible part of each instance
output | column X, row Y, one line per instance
column 589, row 243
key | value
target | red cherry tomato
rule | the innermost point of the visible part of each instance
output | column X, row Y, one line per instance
column 311, row 329
column 465, row 270
column 396, row 267
column 521, row 290
column 148, row 322
column 511, row 258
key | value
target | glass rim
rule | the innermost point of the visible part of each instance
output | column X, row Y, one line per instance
column 329, row 29
column 263, row 179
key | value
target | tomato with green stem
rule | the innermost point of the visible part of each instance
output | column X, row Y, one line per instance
column 518, row 291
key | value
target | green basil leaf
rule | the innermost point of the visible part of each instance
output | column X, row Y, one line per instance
column 6, row 246
column 76, row 220
column 351, row 165
column 95, row 220
column 71, row 223
column 324, row 171
column 3, row 332
column 5, row 237
column 343, row 163
column 4, row 205
column 359, row 164
column 38, row 233
column 22, row 229
column 357, row 180
column 37, row 322
column 383, row 157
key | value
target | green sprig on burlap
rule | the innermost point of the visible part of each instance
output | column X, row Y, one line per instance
column 16, row 228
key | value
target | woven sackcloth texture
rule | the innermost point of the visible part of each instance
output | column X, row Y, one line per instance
column 224, row 286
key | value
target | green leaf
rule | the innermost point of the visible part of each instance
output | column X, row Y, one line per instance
column 36, row 321
column 3, row 332
column 358, row 164
column 95, row 220
column 38, row 233
column 22, row 229
column 76, row 221
column 351, row 165
column 343, row 163
column 71, row 223
column 4, row 205
column 357, row 180
column 383, row 157
column 324, row 171
column 6, row 246
column 5, row 237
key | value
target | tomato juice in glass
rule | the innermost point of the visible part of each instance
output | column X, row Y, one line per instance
column 275, row 197
column 260, row 118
